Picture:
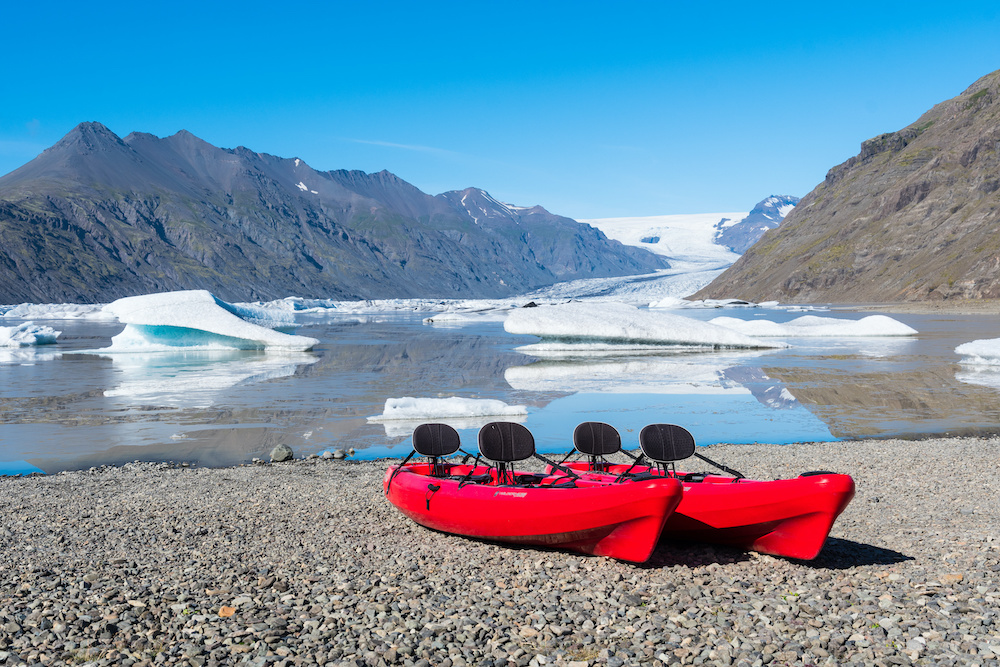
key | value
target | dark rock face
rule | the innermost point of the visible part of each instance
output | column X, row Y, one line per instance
column 97, row 217
column 764, row 217
column 912, row 217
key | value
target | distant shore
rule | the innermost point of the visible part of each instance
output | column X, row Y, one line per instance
column 307, row 561
column 962, row 307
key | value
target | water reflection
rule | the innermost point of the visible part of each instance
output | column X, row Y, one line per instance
column 657, row 374
column 195, row 379
column 60, row 409
column 403, row 428
column 985, row 376
column 23, row 355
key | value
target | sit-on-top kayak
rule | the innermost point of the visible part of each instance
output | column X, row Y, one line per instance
column 784, row 517
column 592, row 514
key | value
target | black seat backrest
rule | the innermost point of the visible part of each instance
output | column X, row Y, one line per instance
column 436, row 440
column 596, row 439
column 666, row 443
column 505, row 442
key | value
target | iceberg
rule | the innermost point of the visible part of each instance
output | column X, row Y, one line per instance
column 55, row 311
column 401, row 415
column 985, row 352
column 409, row 408
column 459, row 318
column 27, row 334
column 814, row 326
column 622, row 323
column 196, row 319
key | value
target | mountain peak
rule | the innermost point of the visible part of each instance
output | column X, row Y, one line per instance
column 98, row 217
column 89, row 136
column 765, row 216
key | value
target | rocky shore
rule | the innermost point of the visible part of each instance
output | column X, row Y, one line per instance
column 305, row 562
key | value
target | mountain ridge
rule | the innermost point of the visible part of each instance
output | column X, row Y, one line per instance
column 912, row 217
column 96, row 217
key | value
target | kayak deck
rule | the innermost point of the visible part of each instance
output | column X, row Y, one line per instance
column 622, row 521
column 786, row 517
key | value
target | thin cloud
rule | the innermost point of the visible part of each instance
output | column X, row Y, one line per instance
column 410, row 147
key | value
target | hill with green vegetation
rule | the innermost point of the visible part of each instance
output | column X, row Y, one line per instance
column 915, row 216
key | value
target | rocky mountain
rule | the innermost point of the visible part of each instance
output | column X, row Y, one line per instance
column 914, row 216
column 765, row 216
column 97, row 217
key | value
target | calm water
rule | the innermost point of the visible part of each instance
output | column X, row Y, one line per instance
column 60, row 409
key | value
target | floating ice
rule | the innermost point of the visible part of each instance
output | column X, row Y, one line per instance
column 813, row 326
column 410, row 408
column 621, row 323
column 674, row 302
column 985, row 352
column 456, row 318
column 27, row 334
column 401, row 415
column 55, row 311
column 196, row 319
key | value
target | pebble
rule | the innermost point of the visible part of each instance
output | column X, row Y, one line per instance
column 307, row 564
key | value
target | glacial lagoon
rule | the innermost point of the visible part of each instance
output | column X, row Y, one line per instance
column 62, row 407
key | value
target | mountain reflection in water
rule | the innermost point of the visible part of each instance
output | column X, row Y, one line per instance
column 60, row 409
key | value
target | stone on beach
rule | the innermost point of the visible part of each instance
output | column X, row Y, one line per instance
column 145, row 565
column 281, row 453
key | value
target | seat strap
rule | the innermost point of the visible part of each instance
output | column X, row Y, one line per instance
column 396, row 471
column 734, row 473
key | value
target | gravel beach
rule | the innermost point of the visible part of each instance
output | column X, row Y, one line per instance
column 305, row 562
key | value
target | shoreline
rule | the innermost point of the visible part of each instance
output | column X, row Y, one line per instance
column 306, row 562
column 976, row 307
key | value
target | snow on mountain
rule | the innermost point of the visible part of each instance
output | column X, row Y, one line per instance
column 699, row 247
column 766, row 215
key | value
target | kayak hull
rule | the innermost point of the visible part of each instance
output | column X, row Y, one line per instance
column 622, row 521
column 785, row 517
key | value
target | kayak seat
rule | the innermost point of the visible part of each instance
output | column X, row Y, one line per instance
column 504, row 443
column 595, row 440
column 436, row 441
column 665, row 444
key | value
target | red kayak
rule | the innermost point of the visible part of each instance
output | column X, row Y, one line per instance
column 784, row 517
column 589, row 513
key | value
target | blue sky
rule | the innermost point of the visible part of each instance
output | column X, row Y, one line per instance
column 589, row 109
